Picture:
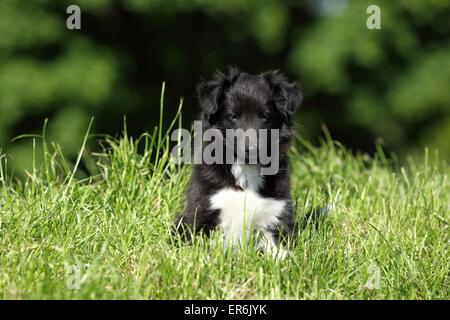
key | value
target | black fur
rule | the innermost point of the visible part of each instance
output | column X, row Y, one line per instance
column 241, row 100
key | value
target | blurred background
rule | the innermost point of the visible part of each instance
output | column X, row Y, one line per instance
column 389, row 85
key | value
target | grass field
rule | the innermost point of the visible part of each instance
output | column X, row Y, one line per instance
column 63, row 236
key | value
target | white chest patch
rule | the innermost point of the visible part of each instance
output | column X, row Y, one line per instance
column 242, row 211
column 247, row 176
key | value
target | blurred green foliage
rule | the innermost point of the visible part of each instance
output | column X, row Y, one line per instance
column 363, row 84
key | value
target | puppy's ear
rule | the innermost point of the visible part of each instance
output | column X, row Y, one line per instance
column 211, row 93
column 287, row 95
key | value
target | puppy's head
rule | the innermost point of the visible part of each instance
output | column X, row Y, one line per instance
column 238, row 100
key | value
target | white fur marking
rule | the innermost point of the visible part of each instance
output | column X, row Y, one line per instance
column 243, row 211
column 247, row 176
column 269, row 245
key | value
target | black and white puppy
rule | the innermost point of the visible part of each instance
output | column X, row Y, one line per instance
column 236, row 198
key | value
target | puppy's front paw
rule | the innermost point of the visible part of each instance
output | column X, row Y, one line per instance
column 279, row 253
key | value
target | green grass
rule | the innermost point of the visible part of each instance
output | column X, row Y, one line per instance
column 107, row 236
